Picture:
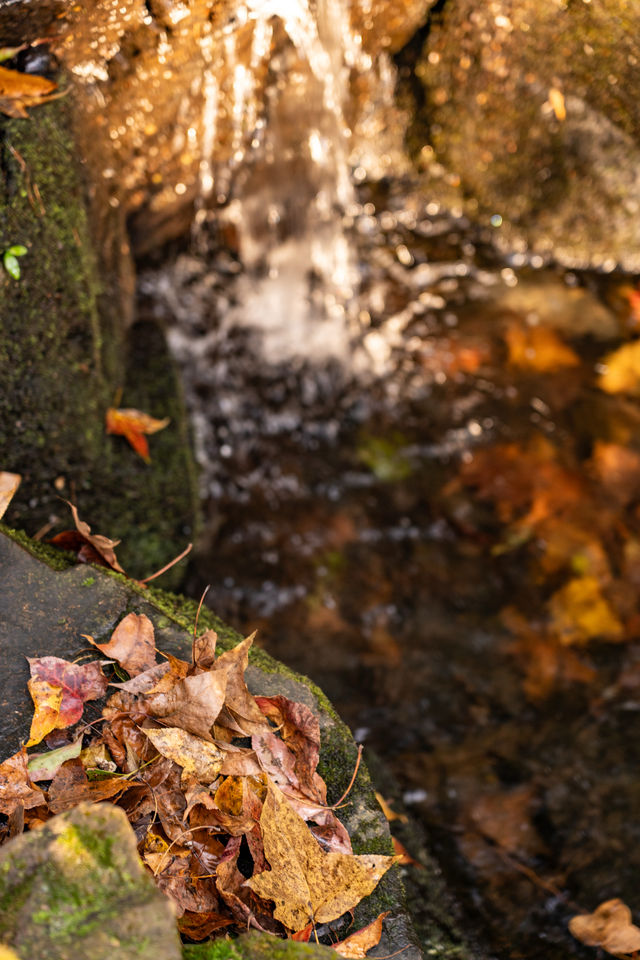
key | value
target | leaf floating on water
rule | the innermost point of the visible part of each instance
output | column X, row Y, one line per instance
column 358, row 944
column 59, row 690
column 9, row 483
column 132, row 644
column 609, row 927
column 306, row 884
column 622, row 370
column 133, row 425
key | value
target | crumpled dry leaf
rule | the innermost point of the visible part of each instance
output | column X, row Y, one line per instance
column 305, row 883
column 9, row 483
column 198, row 758
column 16, row 786
column 89, row 547
column 204, row 649
column 133, row 425
column 132, row 644
column 76, row 684
column 71, row 786
column 242, row 713
column 358, row 944
column 609, row 927
column 193, row 704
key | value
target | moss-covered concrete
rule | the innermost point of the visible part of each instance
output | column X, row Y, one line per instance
column 76, row 888
column 254, row 946
column 64, row 354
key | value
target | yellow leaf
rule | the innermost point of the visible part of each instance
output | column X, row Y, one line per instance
column 622, row 370
column 196, row 756
column 48, row 700
column 305, row 883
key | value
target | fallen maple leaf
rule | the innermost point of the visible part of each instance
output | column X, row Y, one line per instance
column 21, row 90
column 306, row 884
column 133, row 425
column 89, row 547
column 609, row 927
column 242, row 713
column 9, row 483
column 197, row 757
column 358, row 944
column 132, row 644
column 193, row 704
column 581, row 613
column 59, row 690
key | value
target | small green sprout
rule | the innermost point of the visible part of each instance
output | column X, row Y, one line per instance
column 10, row 260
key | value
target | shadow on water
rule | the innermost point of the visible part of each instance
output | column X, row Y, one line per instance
column 440, row 524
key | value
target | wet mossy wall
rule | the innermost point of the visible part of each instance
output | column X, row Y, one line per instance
column 65, row 350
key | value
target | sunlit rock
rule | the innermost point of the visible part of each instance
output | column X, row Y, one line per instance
column 534, row 107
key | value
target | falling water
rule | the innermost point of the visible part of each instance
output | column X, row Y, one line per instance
column 287, row 194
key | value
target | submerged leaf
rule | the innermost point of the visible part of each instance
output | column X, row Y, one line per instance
column 306, row 884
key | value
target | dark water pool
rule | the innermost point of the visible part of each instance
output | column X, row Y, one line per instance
column 445, row 535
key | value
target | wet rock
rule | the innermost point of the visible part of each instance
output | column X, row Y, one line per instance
column 533, row 108
column 44, row 611
column 76, row 887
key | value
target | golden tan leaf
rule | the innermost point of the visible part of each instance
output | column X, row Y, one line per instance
column 305, row 883
column 196, row 756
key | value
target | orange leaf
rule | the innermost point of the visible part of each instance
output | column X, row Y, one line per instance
column 89, row 547
column 21, row 90
column 133, row 425
column 59, row 690
column 358, row 944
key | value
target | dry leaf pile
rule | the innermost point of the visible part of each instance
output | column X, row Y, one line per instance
column 220, row 787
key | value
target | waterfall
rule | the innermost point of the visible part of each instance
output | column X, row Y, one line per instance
column 274, row 104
